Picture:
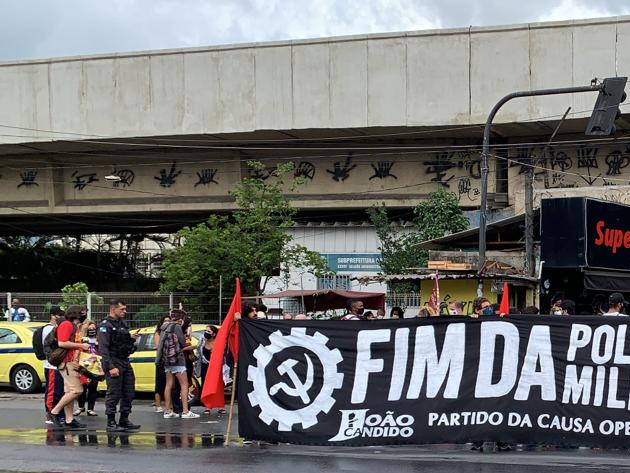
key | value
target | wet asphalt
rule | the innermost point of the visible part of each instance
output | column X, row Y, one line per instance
column 197, row 445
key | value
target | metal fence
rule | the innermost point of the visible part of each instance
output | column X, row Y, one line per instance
column 143, row 309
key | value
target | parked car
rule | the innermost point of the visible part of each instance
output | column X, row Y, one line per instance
column 19, row 366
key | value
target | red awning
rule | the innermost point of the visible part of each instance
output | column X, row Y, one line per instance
column 327, row 299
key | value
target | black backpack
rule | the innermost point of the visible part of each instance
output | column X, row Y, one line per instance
column 50, row 343
column 38, row 343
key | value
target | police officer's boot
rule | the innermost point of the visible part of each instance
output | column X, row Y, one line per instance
column 112, row 426
column 126, row 424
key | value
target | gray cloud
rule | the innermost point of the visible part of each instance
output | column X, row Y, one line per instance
column 44, row 28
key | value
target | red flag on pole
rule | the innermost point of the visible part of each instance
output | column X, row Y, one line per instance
column 504, row 308
column 212, row 392
column 434, row 300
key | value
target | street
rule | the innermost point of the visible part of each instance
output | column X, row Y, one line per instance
column 196, row 445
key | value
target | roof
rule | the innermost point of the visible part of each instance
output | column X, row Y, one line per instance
column 502, row 234
column 444, row 274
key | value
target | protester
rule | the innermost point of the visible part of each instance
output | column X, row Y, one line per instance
column 301, row 317
column 616, row 305
column 555, row 305
column 17, row 312
column 530, row 310
column 261, row 313
column 355, row 310
column 456, row 308
column 369, row 315
column 396, row 313
column 160, row 376
column 116, row 344
column 88, row 335
column 423, row 313
column 250, row 312
column 171, row 352
column 204, row 351
column 568, row 307
column 380, row 314
column 53, row 390
column 287, row 316
column 481, row 306
column 66, row 333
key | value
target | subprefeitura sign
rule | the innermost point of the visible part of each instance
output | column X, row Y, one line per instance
column 446, row 379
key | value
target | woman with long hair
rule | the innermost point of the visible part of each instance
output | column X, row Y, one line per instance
column 88, row 335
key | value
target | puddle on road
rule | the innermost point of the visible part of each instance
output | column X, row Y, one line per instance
column 101, row 438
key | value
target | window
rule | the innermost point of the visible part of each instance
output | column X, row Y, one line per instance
column 334, row 282
column 8, row 336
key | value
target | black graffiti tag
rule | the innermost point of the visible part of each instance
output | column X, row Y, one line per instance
column 382, row 169
column 167, row 179
column 28, row 178
column 206, row 176
column 127, row 176
column 81, row 181
column 305, row 170
column 342, row 172
column 439, row 166
column 616, row 161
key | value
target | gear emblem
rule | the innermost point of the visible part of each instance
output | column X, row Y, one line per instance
column 323, row 402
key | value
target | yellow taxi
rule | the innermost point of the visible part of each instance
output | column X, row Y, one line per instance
column 19, row 366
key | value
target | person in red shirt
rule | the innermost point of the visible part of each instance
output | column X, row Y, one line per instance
column 66, row 338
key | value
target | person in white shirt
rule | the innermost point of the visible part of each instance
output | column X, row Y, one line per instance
column 53, row 379
column 616, row 305
column 17, row 313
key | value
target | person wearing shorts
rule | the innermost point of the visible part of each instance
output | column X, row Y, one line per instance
column 171, row 353
column 69, row 369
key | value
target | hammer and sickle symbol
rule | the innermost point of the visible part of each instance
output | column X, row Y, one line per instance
column 299, row 388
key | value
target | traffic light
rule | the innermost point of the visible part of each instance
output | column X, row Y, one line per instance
column 606, row 109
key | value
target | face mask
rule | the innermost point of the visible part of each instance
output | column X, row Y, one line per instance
column 91, row 333
column 557, row 312
column 82, row 318
column 452, row 312
column 208, row 335
column 487, row 311
column 360, row 311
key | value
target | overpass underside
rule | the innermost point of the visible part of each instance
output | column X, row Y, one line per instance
column 165, row 183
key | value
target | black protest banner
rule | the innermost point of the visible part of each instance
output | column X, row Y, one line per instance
column 559, row 380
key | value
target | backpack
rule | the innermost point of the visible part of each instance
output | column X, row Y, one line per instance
column 170, row 347
column 54, row 353
column 38, row 343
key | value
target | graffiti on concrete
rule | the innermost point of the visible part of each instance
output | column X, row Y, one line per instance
column 168, row 178
column 341, row 171
column 206, row 177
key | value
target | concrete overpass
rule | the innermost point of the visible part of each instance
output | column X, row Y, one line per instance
column 372, row 118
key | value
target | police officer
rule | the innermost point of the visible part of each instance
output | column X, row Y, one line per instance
column 116, row 344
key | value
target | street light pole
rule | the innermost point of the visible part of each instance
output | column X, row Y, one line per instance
column 594, row 87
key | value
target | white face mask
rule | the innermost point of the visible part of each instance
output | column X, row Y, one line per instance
column 557, row 312
column 452, row 312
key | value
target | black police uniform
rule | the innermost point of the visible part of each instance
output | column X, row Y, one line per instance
column 116, row 344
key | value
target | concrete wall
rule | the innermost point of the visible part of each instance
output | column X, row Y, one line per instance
column 445, row 77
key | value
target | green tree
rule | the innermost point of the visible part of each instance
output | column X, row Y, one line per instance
column 438, row 216
column 252, row 243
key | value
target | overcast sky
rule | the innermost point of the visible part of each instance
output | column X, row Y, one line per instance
column 47, row 28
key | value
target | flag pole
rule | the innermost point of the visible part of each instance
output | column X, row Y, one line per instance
column 229, row 425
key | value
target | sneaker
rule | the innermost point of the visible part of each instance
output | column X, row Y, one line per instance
column 48, row 420
column 58, row 422
column 221, row 411
column 207, row 412
column 159, row 409
column 75, row 425
column 170, row 415
column 189, row 415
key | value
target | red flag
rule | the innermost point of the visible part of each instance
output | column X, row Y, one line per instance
column 212, row 392
column 504, row 309
column 434, row 300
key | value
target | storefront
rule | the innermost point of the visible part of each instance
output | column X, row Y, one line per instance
column 585, row 251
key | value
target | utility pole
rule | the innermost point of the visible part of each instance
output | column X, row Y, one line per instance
column 485, row 154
